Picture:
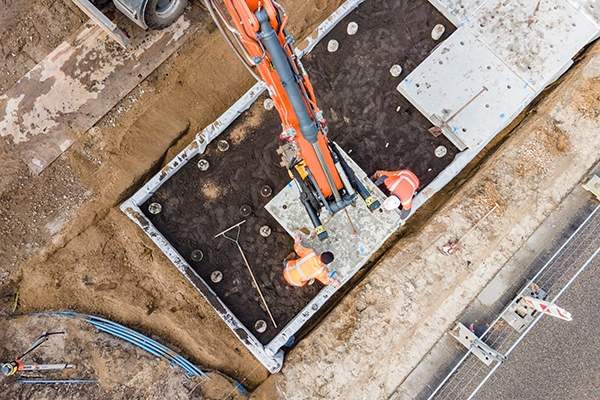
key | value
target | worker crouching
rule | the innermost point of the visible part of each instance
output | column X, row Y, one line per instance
column 402, row 185
column 309, row 266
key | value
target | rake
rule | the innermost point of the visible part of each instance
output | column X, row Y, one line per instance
column 237, row 242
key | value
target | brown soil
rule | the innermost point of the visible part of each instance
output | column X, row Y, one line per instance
column 121, row 369
column 588, row 101
column 67, row 246
column 29, row 30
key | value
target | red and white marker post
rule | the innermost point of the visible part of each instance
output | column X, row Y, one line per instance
column 544, row 306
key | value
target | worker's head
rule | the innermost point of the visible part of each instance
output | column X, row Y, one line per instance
column 327, row 257
column 391, row 203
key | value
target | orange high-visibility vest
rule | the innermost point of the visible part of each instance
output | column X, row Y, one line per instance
column 309, row 266
column 403, row 184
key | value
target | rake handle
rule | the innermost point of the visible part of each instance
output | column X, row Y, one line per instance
column 477, row 224
column 256, row 284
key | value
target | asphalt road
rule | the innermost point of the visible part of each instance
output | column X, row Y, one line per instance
column 557, row 359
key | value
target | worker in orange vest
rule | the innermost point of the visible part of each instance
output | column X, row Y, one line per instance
column 309, row 266
column 402, row 185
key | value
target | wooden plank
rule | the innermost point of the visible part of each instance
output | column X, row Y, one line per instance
column 79, row 82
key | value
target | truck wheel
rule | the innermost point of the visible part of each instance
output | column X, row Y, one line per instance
column 162, row 13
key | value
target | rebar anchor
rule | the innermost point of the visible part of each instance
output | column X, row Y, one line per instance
column 236, row 241
column 437, row 130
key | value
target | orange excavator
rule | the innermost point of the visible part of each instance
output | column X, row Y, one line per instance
column 255, row 29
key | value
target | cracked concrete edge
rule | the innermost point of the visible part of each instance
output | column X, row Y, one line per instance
column 445, row 353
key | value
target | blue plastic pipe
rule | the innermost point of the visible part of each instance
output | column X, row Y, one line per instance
column 132, row 337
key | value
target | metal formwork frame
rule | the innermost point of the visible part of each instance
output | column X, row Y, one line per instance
column 271, row 355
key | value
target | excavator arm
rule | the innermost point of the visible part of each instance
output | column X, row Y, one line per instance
column 255, row 29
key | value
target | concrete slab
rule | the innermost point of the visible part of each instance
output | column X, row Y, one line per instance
column 589, row 8
column 351, row 251
column 537, row 40
column 452, row 76
column 458, row 12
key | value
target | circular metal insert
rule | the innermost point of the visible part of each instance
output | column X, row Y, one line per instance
column 396, row 70
column 352, row 28
column 154, row 208
column 437, row 32
column 265, row 231
column 203, row 165
column 197, row 255
column 216, row 276
column 245, row 210
column 440, row 151
column 223, row 145
column 260, row 326
column 268, row 104
column 266, row 191
column 332, row 46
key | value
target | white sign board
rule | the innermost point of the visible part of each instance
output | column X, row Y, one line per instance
column 543, row 306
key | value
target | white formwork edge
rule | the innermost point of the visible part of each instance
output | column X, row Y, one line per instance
column 272, row 360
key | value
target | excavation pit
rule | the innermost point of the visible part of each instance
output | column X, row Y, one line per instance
column 367, row 118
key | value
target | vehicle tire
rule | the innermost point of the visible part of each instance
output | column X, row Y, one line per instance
column 161, row 13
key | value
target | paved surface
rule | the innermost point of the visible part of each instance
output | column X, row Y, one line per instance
column 557, row 359
column 532, row 257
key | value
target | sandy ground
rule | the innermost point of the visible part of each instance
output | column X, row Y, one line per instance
column 29, row 30
column 67, row 246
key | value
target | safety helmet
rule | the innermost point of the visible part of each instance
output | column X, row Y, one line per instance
column 391, row 203
column 327, row 257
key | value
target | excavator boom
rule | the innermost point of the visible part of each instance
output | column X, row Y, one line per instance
column 255, row 29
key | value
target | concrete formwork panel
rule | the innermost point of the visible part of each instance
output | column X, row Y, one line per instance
column 537, row 40
column 452, row 76
column 589, row 8
column 458, row 12
column 514, row 49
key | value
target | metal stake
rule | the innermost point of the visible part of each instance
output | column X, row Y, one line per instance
column 451, row 247
column 355, row 232
column 437, row 130
column 236, row 241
